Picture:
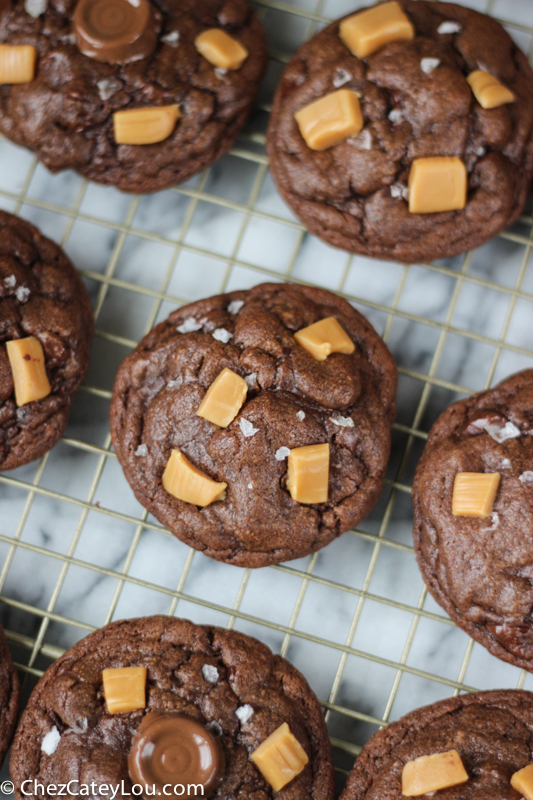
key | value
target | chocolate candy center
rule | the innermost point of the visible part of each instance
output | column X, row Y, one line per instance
column 115, row 31
column 170, row 749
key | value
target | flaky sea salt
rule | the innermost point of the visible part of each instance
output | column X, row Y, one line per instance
column 235, row 306
column 341, row 77
column 141, row 451
column 220, row 72
column 244, row 713
column 108, row 87
column 399, row 190
column 480, row 152
column 427, row 65
column 250, row 486
column 222, row 335
column 80, row 726
column 10, row 281
column 495, row 519
column 247, row 428
column 526, row 477
column 250, row 379
column 282, row 453
column 210, row 673
column 301, row 415
column 449, row 27
column 35, row 7
column 172, row 37
column 505, row 463
column 363, row 141
column 22, row 293
column 342, row 422
column 395, row 115
column 501, row 434
column 215, row 727
column 189, row 325
column 51, row 741
column 174, row 384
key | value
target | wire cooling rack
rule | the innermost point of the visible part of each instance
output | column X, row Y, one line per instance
column 77, row 549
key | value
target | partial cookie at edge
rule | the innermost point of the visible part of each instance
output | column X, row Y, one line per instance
column 352, row 195
column 477, row 569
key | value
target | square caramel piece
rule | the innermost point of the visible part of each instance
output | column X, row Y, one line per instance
column 474, row 493
column 437, row 184
column 148, row 125
column 370, row 30
column 431, row 773
column 26, row 358
column 522, row 781
column 17, row 63
column 221, row 49
column 124, row 689
column 323, row 338
column 224, row 398
column 488, row 90
column 330, row 120
column 186, row 482
column 280, row 758
column 308, row 474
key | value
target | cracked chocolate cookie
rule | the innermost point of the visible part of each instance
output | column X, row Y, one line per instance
column 139, row 95
column 490, row 732
column 160, row 701
column 46, row 328
column 238, row 431
column 9, row 697
column 473, row 528
column 421, row 146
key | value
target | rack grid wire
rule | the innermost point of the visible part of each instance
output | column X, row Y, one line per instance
column 78, row 551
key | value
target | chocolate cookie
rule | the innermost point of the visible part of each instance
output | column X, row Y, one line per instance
column 189, row 687
column 9, row 697
column 479, row 568
column 415, row 103
column 99, row 57
column 46, row 328
column 491, row 732
column 343, row 405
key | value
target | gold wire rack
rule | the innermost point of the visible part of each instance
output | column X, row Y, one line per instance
column 355, row 617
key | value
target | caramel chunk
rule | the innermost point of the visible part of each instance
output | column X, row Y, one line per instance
column 431, row 773
column 29, row 373
column 437, row 184
column 369, row 30
column 224, row 398
column 145, row 125
column 17, row 63
column 124, row 689
column 323, row 338
column 280, row 758
column 330, row 120
column 221, row 49
column 522, row 781
column 474, row 493
column 183, row 480
column 308, row 474
column 488, row 90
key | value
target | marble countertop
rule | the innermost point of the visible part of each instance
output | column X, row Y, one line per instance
column 77, row 549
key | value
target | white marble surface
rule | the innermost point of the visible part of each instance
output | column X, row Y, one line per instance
column 460, row 323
